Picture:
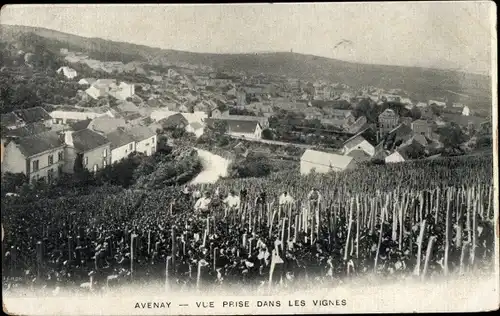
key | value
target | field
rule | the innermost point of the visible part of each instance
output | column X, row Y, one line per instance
column 422, row 220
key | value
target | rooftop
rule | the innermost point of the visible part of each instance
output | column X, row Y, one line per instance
column 36, row 144
column 85, row 140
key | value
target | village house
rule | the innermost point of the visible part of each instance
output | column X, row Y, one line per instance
column 195, row 128
column 387, row 120
column 422, row 127
column 397, row 156
column 360, row 123
column 358, row 142
column 246, row 129
column 322, row 162
column 26, row 130
column 20, row 118
column 68, row 72
column 122, row 91
column 106, row 124
column 174, row 121
column 68, row 117
column 359, row 156
column 39, row 156
column 145, row 139
column 122, row 144
column 398, row 136
column 11, row 121
column 86, row 149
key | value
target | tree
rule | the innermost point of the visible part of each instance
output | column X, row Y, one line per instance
column 416, row 113
column 220, row 127
column 11, row 182
column 452, row 136
column 267, row 134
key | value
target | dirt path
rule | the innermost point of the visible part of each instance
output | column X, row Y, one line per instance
column 214, row 167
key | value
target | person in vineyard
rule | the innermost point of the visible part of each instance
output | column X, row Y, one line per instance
column 285, row 199
column 202, row 204
column 196, row 194
column 261, row 200
column 314, row 198
column 243, row 195
column 232, row 201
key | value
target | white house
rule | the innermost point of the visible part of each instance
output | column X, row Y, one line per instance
column 322, row 162
column 246, row 129
column 69, row 73
column 145, row 139
column 421, row 105
column 196, row 128
column 122, row 91
column 395, row 157
column 122, row 144
column 358, row 142
column 66, row 117
column 466, row 111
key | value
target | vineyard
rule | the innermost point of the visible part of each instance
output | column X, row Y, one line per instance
column 420, row 220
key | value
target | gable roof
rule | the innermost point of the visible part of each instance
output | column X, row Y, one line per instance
column 388, row 111
column 354, row 141
column 10, row 118
column 79, row 125
column 28, row 130
column 105, row 124
column 119, row 138
column 87, row 139
column 39, row 143
column 196, row 125
column 33, row 115
column 173, row 120
column 326, row 159
column 238, row 126
column 359, row 155
column 140, row 133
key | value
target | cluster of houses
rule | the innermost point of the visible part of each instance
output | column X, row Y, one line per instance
column 393, row 140
column 190, row 97
column 40, row 147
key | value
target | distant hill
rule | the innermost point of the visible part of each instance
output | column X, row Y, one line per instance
column 421, row 83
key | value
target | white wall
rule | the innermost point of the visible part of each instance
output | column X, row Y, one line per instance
column 306, row 167
column 13, row 160
column 119, row 153
column 147, row 146
column 394, row 158
column 364, row 146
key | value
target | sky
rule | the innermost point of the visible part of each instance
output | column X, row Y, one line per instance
column 451, row 35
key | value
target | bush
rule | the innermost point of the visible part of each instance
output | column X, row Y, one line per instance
column 254, row 165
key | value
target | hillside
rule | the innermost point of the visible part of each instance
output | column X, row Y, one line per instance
column 421, row 83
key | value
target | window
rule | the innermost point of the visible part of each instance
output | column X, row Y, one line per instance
column 104, row 163
column 105, row 152
column 35, row 165
column 131, row 146
column 153, row 139
column 60, row 156
column 50, row 174
column 96, row 167
column 86, row 161
column 51, row 160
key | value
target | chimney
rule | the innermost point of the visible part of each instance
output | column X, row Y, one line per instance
column 68, row 138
